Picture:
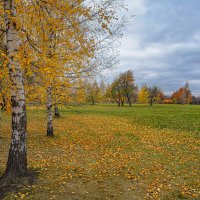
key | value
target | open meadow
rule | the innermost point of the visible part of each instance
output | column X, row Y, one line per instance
column 105, row 152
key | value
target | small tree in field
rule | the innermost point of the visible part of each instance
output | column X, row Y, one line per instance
column 116, row 92
column 143, row 96
column 127, row 82
column 123, row 88
column 153, row 93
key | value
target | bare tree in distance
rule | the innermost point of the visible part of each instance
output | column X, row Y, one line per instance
column 153, row 92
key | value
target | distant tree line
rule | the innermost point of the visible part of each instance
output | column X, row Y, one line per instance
column 123, row 90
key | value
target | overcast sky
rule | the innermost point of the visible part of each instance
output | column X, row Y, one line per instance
column 162, row 43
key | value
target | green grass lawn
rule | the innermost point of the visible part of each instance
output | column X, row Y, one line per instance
column 176, row 117
column 106, row 152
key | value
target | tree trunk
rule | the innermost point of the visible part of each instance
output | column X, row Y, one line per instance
column 0, row 122
column 17, row 158
column 56, row 111
column 0, row 104
column 151, row 101
column 116, row 100
column 49, row 112
column 129, row 101
column 119, row 103
column 122, row 102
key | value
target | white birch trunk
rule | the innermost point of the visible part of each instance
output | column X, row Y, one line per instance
column 49, row 105
column 17, row 159
column 0, row 108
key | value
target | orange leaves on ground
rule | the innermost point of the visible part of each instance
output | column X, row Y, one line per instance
column 101, row 151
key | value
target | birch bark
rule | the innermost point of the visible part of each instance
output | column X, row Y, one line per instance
column 17, row 158
column 49, row 105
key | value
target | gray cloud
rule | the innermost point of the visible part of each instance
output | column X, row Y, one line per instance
column 162, row 43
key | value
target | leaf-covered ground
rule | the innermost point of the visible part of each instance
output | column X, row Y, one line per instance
column 105, row 152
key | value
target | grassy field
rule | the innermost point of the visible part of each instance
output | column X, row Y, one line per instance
column 105, row 152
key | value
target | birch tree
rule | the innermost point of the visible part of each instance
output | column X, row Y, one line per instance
column 153, row 92
column 17, row 158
